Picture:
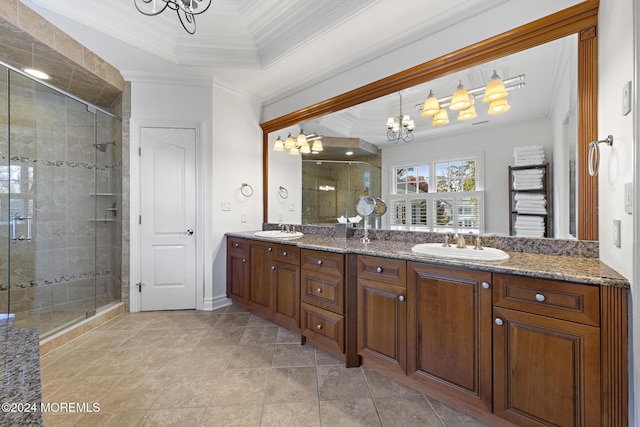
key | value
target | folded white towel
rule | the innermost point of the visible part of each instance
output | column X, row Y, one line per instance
column 528, row 197
column 528, row 172
column 528, row 162
column 528, row 149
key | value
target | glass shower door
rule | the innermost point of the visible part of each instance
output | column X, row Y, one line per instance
column 46, row 204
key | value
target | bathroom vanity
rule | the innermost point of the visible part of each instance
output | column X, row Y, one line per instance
column 537, row 339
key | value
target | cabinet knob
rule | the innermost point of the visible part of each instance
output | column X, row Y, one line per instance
column 319, row 327
column 269, row 249
column 244, row 260
column 235, row 245
column 499, row 321
column 540, row 297
column 273, row 267
column 401, row 298
column 485, row 285
column 284, row 253
column 319, row 290
column 319, row 262
column 379, row 270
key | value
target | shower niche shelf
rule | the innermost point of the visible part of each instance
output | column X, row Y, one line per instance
column 101, row 219
column 100, row 194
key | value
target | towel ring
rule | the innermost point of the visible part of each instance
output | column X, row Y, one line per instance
column 246, row 190
column 282, row 192
column 594, row 154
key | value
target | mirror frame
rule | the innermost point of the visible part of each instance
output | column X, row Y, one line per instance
column 581, row 19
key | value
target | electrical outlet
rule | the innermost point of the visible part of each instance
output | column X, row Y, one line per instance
column 616, row 233
column 628, row 197
column 243, row 217
column 292, row 207
column 626, row 98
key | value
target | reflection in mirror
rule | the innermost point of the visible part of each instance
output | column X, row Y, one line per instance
column 542, row 113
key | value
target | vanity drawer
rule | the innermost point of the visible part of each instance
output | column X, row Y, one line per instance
column 237, row 245
column 326, row 262
column 287, row 253
column 562, row 300
column 390, row 271
column 323, row 290
column 323, row 327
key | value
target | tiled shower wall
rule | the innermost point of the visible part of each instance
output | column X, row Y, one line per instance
column 58, row 175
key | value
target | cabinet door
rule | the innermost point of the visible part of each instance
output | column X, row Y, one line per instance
column 237, row 278
column 382, row 323
column 260, row 278
column 286, row 295
column 546, row 371
column 449, row 331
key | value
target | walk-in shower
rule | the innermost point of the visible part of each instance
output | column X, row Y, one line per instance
column 60, row 186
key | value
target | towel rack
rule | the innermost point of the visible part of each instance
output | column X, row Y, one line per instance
column 594, row 154
column 282, row 192
column 246, row 190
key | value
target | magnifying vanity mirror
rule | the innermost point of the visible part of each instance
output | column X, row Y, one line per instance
column 556, row 109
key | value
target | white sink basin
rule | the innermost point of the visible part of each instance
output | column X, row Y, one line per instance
column 468, row 253
column 277, row 234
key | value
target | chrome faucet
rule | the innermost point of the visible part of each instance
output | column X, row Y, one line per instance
column 460, row 242
column 446, row 241
column 478, row 244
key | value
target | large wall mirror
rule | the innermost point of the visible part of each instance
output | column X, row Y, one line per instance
column 556, row 108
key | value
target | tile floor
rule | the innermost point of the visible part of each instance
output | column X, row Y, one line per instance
column 221, row 368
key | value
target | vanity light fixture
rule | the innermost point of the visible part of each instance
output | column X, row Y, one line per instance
column 400, row 129
column 300, row 144
column 186, row 10
column 495, row 93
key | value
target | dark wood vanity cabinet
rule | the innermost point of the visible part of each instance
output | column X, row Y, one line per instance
column 449, row 331
column 323, row 305
column 547, row 355
column 265, row 278
column 382, row 311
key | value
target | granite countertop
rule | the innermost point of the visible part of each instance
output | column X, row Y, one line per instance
column 577, row 269
column 21, row 390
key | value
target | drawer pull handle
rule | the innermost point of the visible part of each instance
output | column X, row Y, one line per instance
column 273, row 267
column 485, row 285
column 319, row 290
column 284, row 253
column 499, row 321
column 401, row 298
column 540, row 297
column 319, row 327
column 379, row 270
column 319, row 262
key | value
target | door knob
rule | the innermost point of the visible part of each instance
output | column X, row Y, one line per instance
column 189, row 232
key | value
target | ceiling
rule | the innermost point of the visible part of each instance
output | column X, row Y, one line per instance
column 270, row 49
column 259, row 47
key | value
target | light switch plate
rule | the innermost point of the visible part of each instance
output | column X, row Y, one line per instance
column 225, row 205
column 626, row 98
column 616, row 233
column 628, row 197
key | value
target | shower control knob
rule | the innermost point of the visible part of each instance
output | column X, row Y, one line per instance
column 189, row 232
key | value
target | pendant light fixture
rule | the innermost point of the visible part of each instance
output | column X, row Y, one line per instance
column 300, row 144
column 431, row 105
column 402, row 129
column 185, row 9
column 460, row 99
column 495, row 89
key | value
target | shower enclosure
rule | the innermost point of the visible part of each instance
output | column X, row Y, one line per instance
column 332, row 188
column 60, row 190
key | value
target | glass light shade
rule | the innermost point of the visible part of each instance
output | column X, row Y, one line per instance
column 317, row 145
column 278, row 145
column 289, row 143
column 410, row 125
column 495, row 89
column 460, row 99
column 442, row 118
column 301, row 140
column 468, row 114
column 499, row 106
column 294, row 151
column 305, row 149
column 390, row 122
column 431, row 105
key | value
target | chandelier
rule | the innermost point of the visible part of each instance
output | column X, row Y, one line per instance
column 463, row 100
column 400, row 129
column 300, row 144
column 186, row 10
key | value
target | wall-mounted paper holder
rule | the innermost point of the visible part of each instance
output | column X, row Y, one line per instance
column 594, row 154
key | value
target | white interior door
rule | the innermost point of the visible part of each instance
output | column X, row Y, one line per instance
column 168, row 218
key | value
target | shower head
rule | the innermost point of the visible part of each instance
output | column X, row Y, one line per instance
column 102, row 146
